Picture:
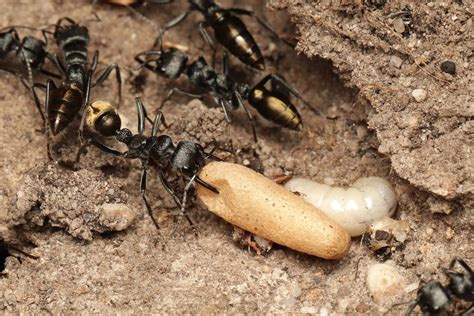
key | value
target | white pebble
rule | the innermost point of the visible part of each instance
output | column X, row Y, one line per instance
column 116, row 216
column 369, row 199
column 396, row 61
column 384, row 282
column 419, row 95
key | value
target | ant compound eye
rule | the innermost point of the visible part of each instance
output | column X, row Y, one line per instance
column 124, row 135
column 108, row 124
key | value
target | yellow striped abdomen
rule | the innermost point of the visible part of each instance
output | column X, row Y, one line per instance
column 275, row 109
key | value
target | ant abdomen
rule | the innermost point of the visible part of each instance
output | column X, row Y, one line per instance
column 280, row 112
column 232, row 33
column 65, row 103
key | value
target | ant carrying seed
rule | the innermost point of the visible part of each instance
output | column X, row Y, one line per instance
column 65, row 102
column 185, row 159
column 434, row 298
column 229, row 30
column 273, row 104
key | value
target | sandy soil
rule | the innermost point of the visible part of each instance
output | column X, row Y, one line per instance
column 52, row 212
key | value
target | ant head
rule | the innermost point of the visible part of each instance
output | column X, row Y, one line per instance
column 102, row 118
column 34, row 50
column 75, row 32
column 171, row 63
column 433, row 298
column 460, row 284
column 8, row 40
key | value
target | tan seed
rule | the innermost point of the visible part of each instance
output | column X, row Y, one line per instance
column 255, row 203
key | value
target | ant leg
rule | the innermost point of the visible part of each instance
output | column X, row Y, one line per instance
column 241, row 104
column 157, row 123
column 141, row 115
column 36, row 98
column 67, row 19
column 79, row 153
column 168, row 188
column 49, row 85
column 49, row 73
column 225, row 63
column 411, row 308
column 208, row 40
column 183, row 203
column 95, row 61
column 282, row 86
column 57, row 63
column 85, row 107
column 468, row 311
column 95, row 19
column 23, row 253
column 206, row 185
column 461, row 262
column 26, row 60
column 178, row 90
column 29, row 87
column 261, row 21
column 146, row 63
column 44, row 32
column 143, row 183
column 105, row 74
column 210, row 154
column 224, row 108
column 175, row 21
column 106, row 149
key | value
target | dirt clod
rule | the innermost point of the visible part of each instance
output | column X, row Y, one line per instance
column 385, row 282
column 80, row 202
column 433, row 153
column 448, row 67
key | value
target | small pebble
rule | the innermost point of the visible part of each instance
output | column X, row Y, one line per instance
column 308, row 310
column 384, row 282
column 399, row 25
column 448, row 67
column 116, row 216
column 419, row 95
column 323, row 311
column 396, row 61
column 449, row 233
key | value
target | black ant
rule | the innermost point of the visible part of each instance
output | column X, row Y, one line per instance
column 65, row 102
column 229, row 30
column 434, row 298
column 30, row 52
column 273, row 104
column 185, row 159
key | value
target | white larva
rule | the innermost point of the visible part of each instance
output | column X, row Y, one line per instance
column 367, row 200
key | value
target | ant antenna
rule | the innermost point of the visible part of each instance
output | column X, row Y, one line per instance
column 31, row 28
column 95, row 19
column 143, row 18
column 398, row 304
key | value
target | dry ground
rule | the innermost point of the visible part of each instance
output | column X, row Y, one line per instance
column 175, row 271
